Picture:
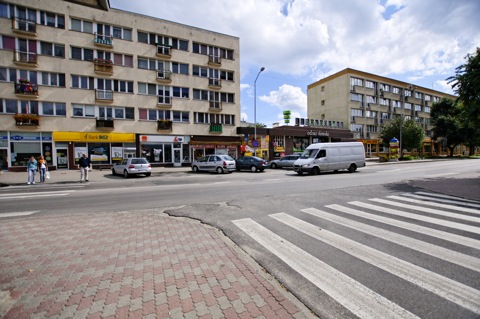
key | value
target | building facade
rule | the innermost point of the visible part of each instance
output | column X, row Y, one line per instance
column 364, row 102
column 80, row 77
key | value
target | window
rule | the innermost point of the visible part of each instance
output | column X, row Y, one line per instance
column 179, row 116
column 408, row 106
column 123, row 60
column 418, row 95
column 54, row 108
column 52, row 79
column 370, row 84
column 395, row 90
column 124, row 113
column 180, row 92
column 81, row 25
column 355, row 82
column 418, row 107
column 80, row 110
column 213, row 51
column 213, row 96
column 427, row 109
column 385, row 87
column 180, row 68
column 82, row 54
column 157, row 39
column 356, row 112
column 154, row 115
column 52, row 20
column 210, row 118
column 356, row 97
column 371, row 114
column 371, row 99
column 323, row 103
column 356, row 127
column 52, row 49
column 384, row 101
column 123, row 86
column 427, row 97
column 396, row 103
column 82, row 82
column 122, row 33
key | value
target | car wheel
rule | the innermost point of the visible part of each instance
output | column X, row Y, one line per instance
column 300, row 173
column 148, row 174
column 219, row 170
column 113, row 171
column 125, row 174
column 253, row 169
column 274, row 165
column 352, row 168
column 315, row 171
column 195, row 169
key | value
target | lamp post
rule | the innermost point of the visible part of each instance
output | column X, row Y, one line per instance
column 255, row 111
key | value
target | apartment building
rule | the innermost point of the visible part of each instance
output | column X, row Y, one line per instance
column 364, row 102
column 81, row 77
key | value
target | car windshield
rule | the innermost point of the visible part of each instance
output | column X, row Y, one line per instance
column 227, row 158
column 309, row 153
column 139, row 161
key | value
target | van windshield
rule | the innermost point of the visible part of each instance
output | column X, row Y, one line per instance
column 309, row 153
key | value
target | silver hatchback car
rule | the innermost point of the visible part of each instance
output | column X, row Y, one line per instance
column 132, row 166
column 214, row 163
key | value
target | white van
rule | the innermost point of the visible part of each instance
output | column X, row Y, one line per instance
column 321, row 157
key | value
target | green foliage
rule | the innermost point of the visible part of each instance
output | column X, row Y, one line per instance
column 412, row 133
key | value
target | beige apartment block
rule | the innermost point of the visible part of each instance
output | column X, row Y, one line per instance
column 80, row 77
column 365, row 101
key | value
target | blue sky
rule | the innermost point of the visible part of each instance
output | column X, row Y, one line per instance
column 302, row 41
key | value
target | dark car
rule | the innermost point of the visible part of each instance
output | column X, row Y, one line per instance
column 285, row 162
column 251, row 163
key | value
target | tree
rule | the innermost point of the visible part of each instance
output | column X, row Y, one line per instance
column 412, row 133
column 466, row 84
column 447, row 124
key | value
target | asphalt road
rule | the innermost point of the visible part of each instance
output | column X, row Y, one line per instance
column 317, row 234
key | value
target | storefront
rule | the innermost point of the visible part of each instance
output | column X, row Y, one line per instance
column 103, row 149
column 22, row 145
column 165, row 150
column 207, row 145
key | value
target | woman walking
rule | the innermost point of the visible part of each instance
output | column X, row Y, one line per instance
column 32, row 168
column 42, row 163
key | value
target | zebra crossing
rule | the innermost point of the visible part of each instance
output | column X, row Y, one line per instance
column 439, row 229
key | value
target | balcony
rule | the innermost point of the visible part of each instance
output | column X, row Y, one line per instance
column 164, row 51
column 164, row 76
column 26, row 119
column 215, row 128
column 164, row 125
column 103, row 66
column 26, row 89
column 215, row 106
column 214, row 83
column 164, row 101
column 104, row 95
column 103, row 40
column 214, row 60
column 25, row 27
column 25, row 58
column 104, row 122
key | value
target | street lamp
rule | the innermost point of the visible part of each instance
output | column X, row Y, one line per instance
column 255, row 110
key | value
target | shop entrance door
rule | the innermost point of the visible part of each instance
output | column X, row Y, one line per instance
column 62, row 158
column 177, row 154
column 3, row 159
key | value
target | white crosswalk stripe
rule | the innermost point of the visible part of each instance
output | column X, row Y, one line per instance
column 357, row 297
column 34, row 195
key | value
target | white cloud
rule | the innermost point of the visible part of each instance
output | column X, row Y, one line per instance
column 287, row 97
column 244, row 117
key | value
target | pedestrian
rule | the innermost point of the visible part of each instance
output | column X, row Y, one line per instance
column 32, row 168
column 84, row 166
column 43, row 168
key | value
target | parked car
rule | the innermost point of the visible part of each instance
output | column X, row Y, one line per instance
column 214, row 163
column 285, row 162
column 251, row 163
column 132, row 166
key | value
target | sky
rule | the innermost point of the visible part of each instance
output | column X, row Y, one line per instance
column 299, row 42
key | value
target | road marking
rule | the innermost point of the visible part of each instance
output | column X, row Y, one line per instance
column 444, row 287
column 35, row 195
column 465, row 241
column 422, row 202
column 412, row 243
column 427, row 219
column 360, row 300
column 440, row 175
column 425, row 209
column 18, row 214
column 463, row 200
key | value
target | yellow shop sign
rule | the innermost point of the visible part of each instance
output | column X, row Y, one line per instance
column 93, row 137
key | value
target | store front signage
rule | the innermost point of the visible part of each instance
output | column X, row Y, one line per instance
column 163, row 138
column 93, row 137
column 317, row 133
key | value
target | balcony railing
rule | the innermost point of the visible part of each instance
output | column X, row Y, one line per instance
column 24, row 26
column 214, row 60
column 215, row 128
column 26, row 119
column 164, row 100
column 104, row 122
column 214, row 83
column 164, row 50
column 103, row 66
column 25, row 57
column 164, row 125
column 164, row 75
column 103, row 40
column 104, row 95
column 215, row 105
column 24, row 87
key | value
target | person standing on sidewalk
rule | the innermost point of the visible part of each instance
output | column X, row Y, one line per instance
column 84, row 166
column 43, row 168
column 32, row 168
